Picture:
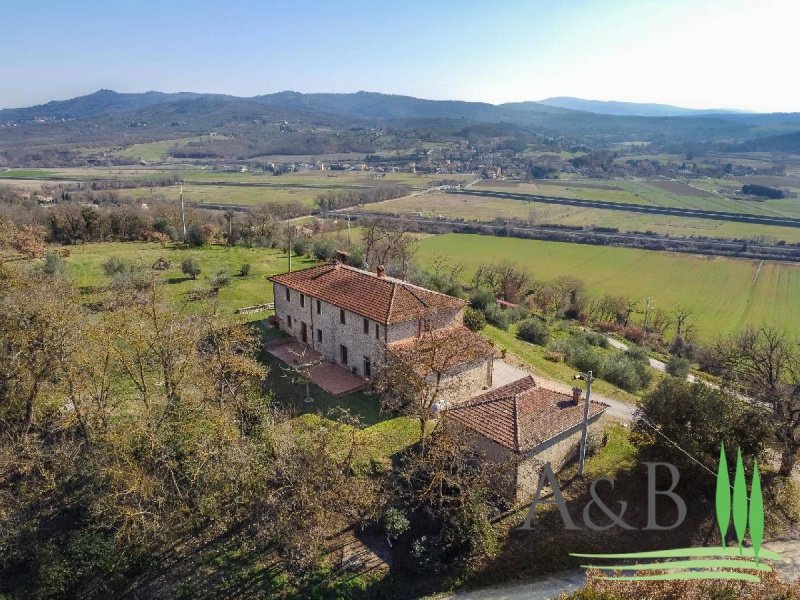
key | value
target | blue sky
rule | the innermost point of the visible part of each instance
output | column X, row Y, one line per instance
column 701, row 53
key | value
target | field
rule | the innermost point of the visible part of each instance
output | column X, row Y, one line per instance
column 475, row 208
column 724, row 294
column 85, row 263
column 697, row 194
column 235, row 188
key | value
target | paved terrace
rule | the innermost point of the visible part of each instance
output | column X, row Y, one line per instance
column 332, row 378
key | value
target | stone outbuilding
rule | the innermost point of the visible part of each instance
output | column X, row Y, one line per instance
column 526, row 426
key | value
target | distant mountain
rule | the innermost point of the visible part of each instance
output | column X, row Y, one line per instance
column 110, row 118
column 102, row 102
column 629, row 109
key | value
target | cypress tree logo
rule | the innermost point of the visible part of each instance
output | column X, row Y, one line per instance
column 724, row 562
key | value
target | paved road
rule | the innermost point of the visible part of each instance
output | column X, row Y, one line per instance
column 505, row 372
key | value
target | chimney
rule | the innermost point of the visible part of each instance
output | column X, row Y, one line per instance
column 576, row 395
column 381, row 271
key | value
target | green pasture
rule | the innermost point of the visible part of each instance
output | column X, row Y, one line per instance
column 725, row 294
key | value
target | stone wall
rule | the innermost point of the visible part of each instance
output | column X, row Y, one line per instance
column 466, row 381
column 334, row 334
column 557, row 451
column 360, row 345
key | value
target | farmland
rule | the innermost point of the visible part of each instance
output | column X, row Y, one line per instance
column 215, row 187
column 472, row 208
column 699, row 195
column 724, row 294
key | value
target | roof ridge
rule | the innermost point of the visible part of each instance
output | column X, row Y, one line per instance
column 517, row 445
column 411, row 291
column 391, row 303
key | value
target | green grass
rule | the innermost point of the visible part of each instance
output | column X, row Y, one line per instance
column 156, row 151
column 85, row 263
column 619, row 454
column 533, row 356
column 382, row 435
column 723, row 293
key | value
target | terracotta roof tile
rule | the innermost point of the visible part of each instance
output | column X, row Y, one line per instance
column 383, row 299
column 443, row 349
column 520, row 415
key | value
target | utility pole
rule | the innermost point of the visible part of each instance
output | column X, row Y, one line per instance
column 289, row 233
column 584, row 435
column 183, row 215
column 349, row 239
column 647, row 313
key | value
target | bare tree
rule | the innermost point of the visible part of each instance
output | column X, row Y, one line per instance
column 765, row 364
column 681, row 314
column 417, row 376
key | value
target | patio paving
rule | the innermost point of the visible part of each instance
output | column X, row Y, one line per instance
column 333, row 378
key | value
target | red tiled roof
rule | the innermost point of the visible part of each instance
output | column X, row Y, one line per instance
column 383, row 299
column 520, row 415
column 443, row 349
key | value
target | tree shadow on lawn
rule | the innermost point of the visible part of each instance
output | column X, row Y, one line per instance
column 290, row 393
column 528, row 554
column 174, row 280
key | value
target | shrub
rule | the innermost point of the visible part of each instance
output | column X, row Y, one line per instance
column 244, row 270
column 220, row 279
column 709, row 361
column 596, row 339
column 496, row 316
column 191, row 267
column 161, row 264
column 114, row 265
column 54, row 265
column 517, row 313
column 394, row 522
column 585, row 358
column 301, row 246
column 622, row 372
column 678, row 366
column 474, row 319
column 554, row 356
column 356, row 258
column 634, row 334
column 199, row 235
column 534, row 331
column 135, row 278
column 682, row 348
column 482, row 298
column 323, row 249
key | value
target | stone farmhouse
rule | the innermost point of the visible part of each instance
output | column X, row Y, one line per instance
column 360, row 320
column 526, row 426
column 356, row 318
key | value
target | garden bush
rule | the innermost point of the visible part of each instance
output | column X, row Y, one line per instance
column 474, row 319
column 534, row 331
column 678, row 366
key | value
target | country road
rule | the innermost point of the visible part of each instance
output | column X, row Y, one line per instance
column 554, row 584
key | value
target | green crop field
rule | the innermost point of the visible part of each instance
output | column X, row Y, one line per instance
column 725, row 294
column 156, row 151
column 475, row 208
column 227, row 194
